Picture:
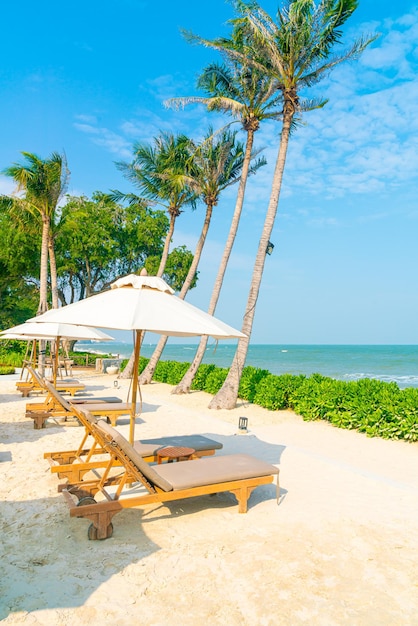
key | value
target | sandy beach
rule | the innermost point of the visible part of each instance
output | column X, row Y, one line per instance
column 340, row 547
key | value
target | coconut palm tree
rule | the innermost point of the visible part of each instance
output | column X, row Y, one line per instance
column 251, row 97
column 42, row 184
column 157, row 170
column 296, row 52
column 216, row 164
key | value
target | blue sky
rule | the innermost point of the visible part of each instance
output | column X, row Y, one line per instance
column 90, row 78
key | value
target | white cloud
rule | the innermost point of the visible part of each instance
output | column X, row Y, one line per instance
column 111, row 141
column 7, row 186
column 86, row 119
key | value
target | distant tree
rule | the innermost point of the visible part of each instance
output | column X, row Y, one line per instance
column 177, row 267
column 41, row 184
column 19, row 273
column 100, row 240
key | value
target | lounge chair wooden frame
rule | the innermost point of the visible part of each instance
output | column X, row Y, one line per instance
column 80, row 496
column 57, row 406
column 36, row 383
column 74, row 464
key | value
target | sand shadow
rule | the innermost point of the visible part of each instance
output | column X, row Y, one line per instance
column 36, row 576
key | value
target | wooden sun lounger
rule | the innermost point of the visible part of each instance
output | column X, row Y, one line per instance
column 37, row 383
column 56, row 406
column 74, row 464
column 237, row 473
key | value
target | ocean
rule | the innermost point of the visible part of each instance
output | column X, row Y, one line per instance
column 343, row 362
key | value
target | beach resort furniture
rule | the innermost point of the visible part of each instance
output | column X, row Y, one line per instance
column 140, row 484
column 35, row 382
column 74, row 464
column 56, row 405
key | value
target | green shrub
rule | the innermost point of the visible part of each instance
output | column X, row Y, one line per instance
column 13, row 359
column 215, row 379
column 270, row 394
column 161, row 371
column 176, row 372
column 250, row 379
column 170, row 372
column 201, row 375
column 143, row 362
column 5, row 369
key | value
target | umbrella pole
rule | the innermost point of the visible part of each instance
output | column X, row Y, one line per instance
column 134, row 385
column 56, row 364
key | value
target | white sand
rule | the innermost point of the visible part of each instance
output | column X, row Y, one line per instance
column 340, row 548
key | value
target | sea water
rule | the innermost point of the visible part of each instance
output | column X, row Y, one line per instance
column 344, row 362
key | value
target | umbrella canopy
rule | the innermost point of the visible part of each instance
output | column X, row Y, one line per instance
column 52, row 330
column 141, row 303
column 32, row 330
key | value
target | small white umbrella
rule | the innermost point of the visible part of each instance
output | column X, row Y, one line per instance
column 32, row 330
column 52, row 330
column 141, row 303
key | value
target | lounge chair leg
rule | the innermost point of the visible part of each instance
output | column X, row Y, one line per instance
column 103, row 531
column 243, row 495
column 39, row 419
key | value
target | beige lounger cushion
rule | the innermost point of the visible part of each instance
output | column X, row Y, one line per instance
column 95, row 399
column 208, row 471
column 122, row 407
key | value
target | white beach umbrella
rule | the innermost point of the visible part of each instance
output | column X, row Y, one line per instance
column 52, row 330
column 141, row 303
column 32, row 330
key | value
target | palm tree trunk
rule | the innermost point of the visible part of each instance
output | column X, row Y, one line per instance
column 187, row 380
column 129, row 367
column 53, row 270
column 43, row 278
column 148, row 372
column 226, row 397
column 167, row 242
column 43, row 288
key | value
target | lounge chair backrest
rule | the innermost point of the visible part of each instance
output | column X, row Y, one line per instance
column 58, row 397
column 89, row 417
column 146, row 470
column 36, row 376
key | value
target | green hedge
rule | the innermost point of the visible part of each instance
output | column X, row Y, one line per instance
column 5, row 369
column 371, row 406
column 12, row 352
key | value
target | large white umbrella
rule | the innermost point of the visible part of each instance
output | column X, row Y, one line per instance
column 32, row 330
column 141, row 303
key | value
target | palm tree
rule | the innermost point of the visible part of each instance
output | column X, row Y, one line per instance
column 216, row 164
column 250, row 97
column 43, row 183
column 157, row 170
column 296, row 52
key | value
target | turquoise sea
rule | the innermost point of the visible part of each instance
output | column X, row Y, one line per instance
column 343, row 362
